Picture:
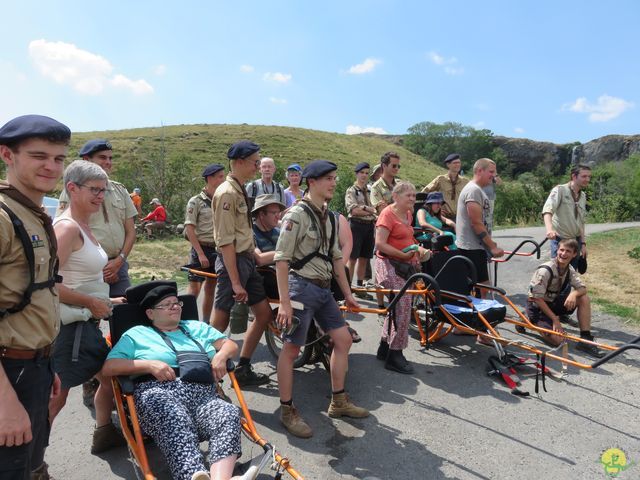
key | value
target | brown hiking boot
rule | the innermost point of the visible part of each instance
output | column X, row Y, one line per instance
column 341, row 406
column 41, row 473
column 89, row 389
column 105, row 438
column 293, row 422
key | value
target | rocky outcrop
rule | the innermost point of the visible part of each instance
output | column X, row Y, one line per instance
column 526, row 155
column 611, row 148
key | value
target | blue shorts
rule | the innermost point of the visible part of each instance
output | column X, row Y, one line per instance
column 194, row 263
column 117, row 289
column 318, row 303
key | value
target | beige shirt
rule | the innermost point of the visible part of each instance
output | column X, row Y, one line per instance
column 450, row 190
column 568, row 216
column 107, row 224
column 37, row 325
column 300, row 236
column 540, row 287
column 358, row 197
column 231, row 222
column 381, row 192
column 200, row 214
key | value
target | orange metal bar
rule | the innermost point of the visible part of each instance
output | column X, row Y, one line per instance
column 200, row 273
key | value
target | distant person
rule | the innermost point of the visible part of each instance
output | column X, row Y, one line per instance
column 362, row 218
column 198, row 228
column 381, row 190
column 450, row 184
column 565, row 210
column 137, row 200
column 34, row 149
column 266, row 184
column 473, row 236
column 156, row 219
column 431, row 219
column 556, row 291
column 376, row 173
column 293, row 192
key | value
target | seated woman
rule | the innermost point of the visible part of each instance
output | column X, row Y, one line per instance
column 80, row 349
column 157, row 219
column 176, row 406
column 430, row 217
column 398, row 257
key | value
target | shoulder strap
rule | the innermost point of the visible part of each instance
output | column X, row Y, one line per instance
column 169, row 343
column 550, row 270
column 298, row 264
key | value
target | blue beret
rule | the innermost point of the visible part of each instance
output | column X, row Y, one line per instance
column 93, row 146
column 294, row 166
column 434, row 197
column 211, row 169
column 451, row 157
column 361, row 166
column 156, row 295
column 318, row 168
column 242, row 149
column 29, row 126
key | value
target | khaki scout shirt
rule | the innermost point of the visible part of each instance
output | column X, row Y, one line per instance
column 381, row 192
column 37, row 325
column 450, row 190
column 567, row 215
column 231, row 222
column 200, row 214
column 358, row 197
column 107, row 224
column 299, row 236
column 540, row 287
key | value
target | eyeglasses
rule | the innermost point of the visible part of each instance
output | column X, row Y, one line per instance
column 95, row 191
column 169, row 306
column 395, row 165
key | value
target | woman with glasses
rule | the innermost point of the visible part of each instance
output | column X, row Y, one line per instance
column 174, row 408
column 80, row 349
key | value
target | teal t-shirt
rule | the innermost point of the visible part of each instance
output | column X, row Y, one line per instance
column 144, row 343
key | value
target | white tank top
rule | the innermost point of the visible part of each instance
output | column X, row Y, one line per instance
column 84, row 265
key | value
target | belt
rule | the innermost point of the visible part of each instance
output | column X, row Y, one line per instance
column 364, row 222
column 213, row 245
column 17, row 354
column 325, row 284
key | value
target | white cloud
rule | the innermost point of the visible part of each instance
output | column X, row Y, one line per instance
column 604, row 109
column 86, row 72
column 479, row 124
column 160, row 70
column 246, row 68
column 449, row 65
column 277, row 77
column 519, row 130
column 367, row 66
column 279, row 101
column 355, row 129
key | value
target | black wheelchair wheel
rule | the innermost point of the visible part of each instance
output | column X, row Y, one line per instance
column 274, row 345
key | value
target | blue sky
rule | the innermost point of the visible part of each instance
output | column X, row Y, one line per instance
column 558, row 71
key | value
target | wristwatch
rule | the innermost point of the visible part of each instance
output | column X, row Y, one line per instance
column 122, row 256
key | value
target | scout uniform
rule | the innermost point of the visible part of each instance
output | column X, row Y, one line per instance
column 200, row 214
column 568, row 212
column 28, row 328
column 381, row 192
column 362, row 226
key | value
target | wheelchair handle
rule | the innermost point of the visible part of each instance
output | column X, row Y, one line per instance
column 514, row 252
column 230, row 365
column 629, row 346
column 429, row 280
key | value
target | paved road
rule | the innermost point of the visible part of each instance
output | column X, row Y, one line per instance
column 448, row 421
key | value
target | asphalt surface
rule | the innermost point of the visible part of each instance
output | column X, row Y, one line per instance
column 447, row 421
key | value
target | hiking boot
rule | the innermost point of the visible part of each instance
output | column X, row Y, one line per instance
column 341, row 406
column 362, row 295
column 41, row 473
column 383, row 350
column 397, row 363
column 247, row 377
column 89, row 391
column 590, row 349
column 201, row 475
column 520, row 329
column 293, row 422
column 105, row 438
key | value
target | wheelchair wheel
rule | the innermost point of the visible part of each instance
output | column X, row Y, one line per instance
column 274, row 345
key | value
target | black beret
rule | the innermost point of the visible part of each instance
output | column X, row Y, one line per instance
column 318, row 168
column 242, row 149
column 451, row 157
column 93, row 146
column 211, row 169
column 156, row 295
column 361, row 166
column 29, row 126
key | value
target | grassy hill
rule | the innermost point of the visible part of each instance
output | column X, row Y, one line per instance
column 146, row 157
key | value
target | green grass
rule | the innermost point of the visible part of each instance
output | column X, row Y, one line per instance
column 159, row 259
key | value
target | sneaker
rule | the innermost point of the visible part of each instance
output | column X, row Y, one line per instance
column 341, row 406
column 293, row 422
column 89, row 391
column 590, row 349
column 105, row 438
column 247, row 377
column 201, row 475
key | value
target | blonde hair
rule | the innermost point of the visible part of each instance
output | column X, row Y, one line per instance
column 482, row 164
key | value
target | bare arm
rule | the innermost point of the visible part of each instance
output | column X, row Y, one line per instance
column 285, row 311
column 110, row 271
column 190, row 231
column 345, row 237
column 474, row 211
column 225, row 350
column 555, row 319
column 382, row 235
column 263, row 258
column 551, row 233
column 422, row 221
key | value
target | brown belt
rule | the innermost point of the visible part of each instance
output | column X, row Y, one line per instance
column 363, row 222
column 316, row 281
column 17, row 354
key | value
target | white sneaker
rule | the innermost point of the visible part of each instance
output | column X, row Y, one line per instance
column 201, row 475
column 250, row 474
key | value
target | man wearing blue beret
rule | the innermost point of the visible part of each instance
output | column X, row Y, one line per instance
column 238, row 278
column 34, row 149
column 307, row 257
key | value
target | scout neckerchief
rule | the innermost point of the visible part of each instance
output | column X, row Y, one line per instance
column 246, row 199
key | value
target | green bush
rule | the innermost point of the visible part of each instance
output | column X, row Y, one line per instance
column 614, row 192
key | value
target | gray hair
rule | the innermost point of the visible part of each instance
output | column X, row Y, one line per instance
column 402, row 187
column 81, row 172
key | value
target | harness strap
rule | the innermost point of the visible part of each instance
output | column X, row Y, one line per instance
column 298, row 264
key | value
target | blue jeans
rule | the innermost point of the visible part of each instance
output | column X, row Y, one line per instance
column 117, row 289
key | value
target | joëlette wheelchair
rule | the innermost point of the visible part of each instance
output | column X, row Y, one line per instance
column 129, row 315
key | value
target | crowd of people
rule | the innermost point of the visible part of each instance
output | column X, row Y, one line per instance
column 59, row 279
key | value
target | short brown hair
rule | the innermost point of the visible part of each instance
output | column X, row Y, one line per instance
column 386, row 158
column 575, row 169
column 571, row 243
